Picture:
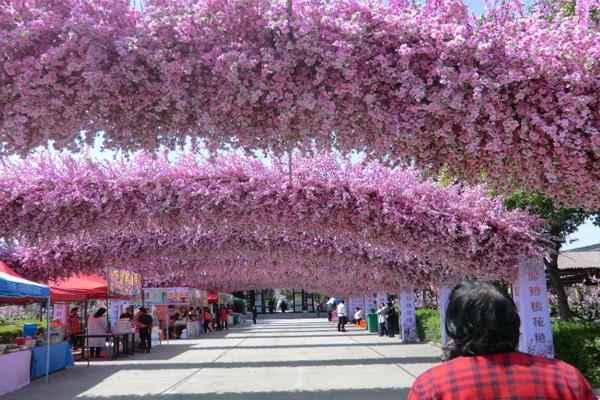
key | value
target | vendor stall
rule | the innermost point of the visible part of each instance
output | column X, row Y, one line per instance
column 174, row 309
column 122, row 287
column 15, row 358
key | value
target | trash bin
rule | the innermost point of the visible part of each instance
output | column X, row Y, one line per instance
column 372, row 323
column 29, row 329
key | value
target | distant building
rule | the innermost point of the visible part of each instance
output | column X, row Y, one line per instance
column 592, row 247
column 576, row 265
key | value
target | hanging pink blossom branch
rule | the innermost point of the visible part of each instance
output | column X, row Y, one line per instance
column 510, row 95
column 159, row 253
column 77, row 214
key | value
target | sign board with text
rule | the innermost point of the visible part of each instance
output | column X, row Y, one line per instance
column 124, row 284
column 408, row 321
column 531, row 296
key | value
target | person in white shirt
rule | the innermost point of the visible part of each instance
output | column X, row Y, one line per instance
column 381, row 318
column 359, row 315
column 342, row 316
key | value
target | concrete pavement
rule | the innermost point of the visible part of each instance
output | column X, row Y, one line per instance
column 276, row 359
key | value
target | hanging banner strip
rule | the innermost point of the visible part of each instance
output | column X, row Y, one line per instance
column 531, row 296
column 408, row 322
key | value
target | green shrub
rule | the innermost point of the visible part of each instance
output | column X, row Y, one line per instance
column 7, row 336
column 428, row 325
column 578, row 343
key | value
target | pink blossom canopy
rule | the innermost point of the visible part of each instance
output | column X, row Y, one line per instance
column 237, row 217
column 513, row 96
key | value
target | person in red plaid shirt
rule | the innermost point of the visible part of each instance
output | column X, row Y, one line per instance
column 483, row 324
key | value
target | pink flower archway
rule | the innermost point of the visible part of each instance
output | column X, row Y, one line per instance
column 241, row 215
column 513, row 95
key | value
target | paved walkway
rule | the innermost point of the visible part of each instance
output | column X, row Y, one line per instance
column 276, row 359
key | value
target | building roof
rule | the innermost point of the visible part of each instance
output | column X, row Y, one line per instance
column 579, row 260
column 592, row 247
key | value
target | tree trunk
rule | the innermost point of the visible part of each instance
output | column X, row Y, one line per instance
column 551, row 263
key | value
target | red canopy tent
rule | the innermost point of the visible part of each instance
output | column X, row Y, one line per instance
column 79, row 288
column 213, row 298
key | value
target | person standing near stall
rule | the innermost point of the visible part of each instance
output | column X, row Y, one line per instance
column 224, row 318
column 97, row 326
column 128, row 314
column 206, row 320
column 254, row 314
column 145, row 323
column 75, row 327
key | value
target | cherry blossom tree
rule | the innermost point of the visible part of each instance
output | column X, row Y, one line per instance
column 511, row 95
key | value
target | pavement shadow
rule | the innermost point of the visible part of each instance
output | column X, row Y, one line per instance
column 271, row 364
column 294, row 346
column 343, row 394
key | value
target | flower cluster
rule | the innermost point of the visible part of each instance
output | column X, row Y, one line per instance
column 512, row 96
column 193, row 218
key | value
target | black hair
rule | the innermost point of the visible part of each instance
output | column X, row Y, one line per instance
column 100, row 312
column 481, row 319
column 74, row 309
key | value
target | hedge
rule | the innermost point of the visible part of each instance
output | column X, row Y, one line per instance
column 577, row 343
column 428, row 325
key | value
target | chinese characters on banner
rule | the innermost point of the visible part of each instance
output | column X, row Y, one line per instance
column 531, row 296
column 60, row 312
column 408, row 322
column 445, row 290
column 178, row 295
column 124, row 284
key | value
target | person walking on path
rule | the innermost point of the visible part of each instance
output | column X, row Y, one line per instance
column 145, row 323
column 342, row 316
column 254, row 314
column 382, row 314
column 390, row 319
column 483, row 324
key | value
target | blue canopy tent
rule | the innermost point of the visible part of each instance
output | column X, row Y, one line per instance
column 16, row 289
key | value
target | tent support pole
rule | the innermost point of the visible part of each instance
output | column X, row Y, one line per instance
column 167, row 319
column 47, row 338
column 85, row 331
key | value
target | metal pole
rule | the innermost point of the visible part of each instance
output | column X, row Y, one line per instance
column 86, row 343
column 167, row 319
column 47, row 338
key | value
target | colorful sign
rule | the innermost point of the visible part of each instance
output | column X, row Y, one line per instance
column 124, row 284
column 531, row 296
column 60, row 312
column 178, row 295
column 408, row 321
column 201, row 298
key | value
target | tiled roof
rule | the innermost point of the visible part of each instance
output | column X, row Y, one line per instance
column 579, row 260
column 592, row 247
